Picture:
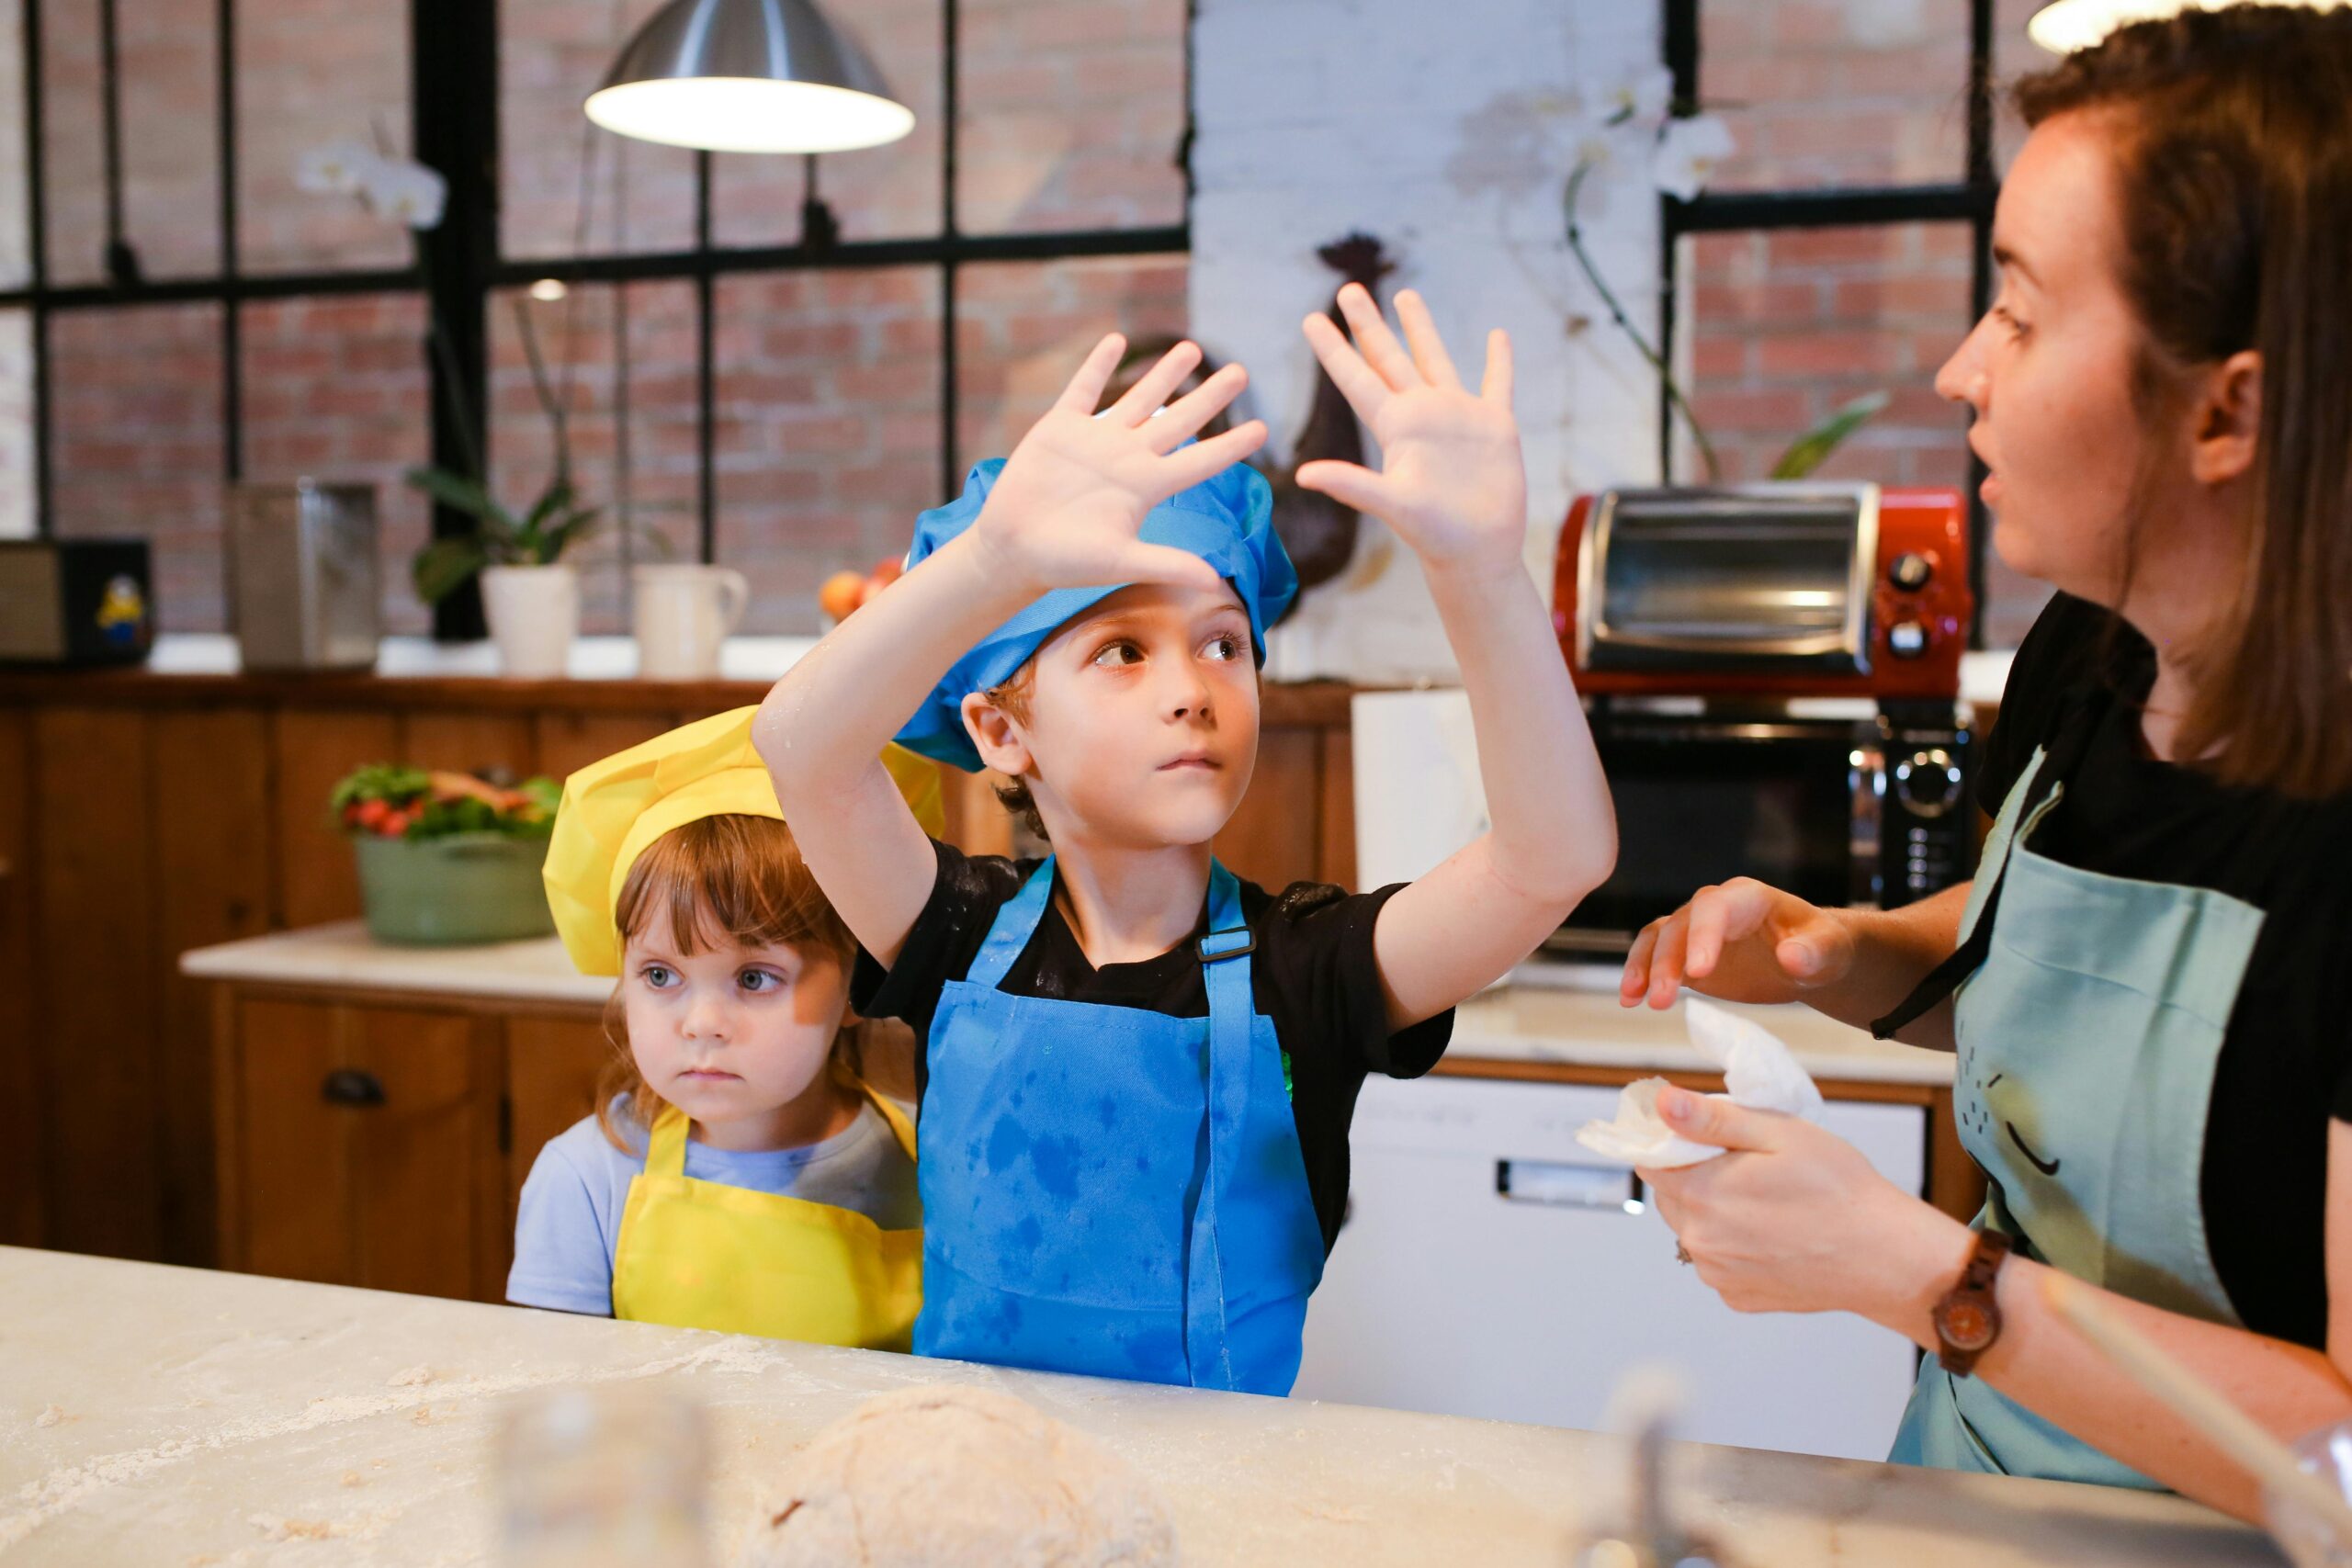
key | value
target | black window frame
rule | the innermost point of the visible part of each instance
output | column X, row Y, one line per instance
column 454, row 106
column 1968, row 199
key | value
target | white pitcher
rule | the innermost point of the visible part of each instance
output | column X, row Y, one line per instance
column 682, row 614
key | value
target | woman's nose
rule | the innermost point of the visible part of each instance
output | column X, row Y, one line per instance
column 1961, row 378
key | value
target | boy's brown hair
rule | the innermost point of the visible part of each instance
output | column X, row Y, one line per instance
column 716, row 879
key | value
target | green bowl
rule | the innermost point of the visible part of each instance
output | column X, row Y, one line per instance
column 467, row 887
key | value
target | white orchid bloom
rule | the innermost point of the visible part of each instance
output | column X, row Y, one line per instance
column 1643, row 100
column 341, row 168
column 1688, row 153
column 405, row 191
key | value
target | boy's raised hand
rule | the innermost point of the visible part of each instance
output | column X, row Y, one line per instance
column 1066, row 509
column 1452, row 483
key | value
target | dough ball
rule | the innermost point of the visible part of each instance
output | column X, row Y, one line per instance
column 934, row 1477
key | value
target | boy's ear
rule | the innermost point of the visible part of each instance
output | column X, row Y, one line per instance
column 996, row 734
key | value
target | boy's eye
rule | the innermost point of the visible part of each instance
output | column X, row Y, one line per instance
column 1224, row 646
column 1119, row 653
column 2008, row 318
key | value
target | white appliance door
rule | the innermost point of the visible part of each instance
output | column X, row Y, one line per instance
column 1492, row 1267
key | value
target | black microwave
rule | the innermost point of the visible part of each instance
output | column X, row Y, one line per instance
column 1837, row 803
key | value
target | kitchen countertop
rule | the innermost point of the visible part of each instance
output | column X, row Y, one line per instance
column 172, row 1416
column 1551, row 1013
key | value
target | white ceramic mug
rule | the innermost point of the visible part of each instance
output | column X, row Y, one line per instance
column 682, row 614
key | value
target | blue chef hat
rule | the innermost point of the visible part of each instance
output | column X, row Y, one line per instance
column 1226, row 520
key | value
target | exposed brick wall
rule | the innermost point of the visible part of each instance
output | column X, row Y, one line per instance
column 335, row 389
column 136, row 425
column 171, row 168
column 310, row 72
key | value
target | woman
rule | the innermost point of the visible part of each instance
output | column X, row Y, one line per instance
column 2154, row 965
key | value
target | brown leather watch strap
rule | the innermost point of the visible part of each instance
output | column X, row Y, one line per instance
column 1968, row 1318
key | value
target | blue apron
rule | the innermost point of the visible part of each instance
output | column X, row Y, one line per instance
column 1110, row 1190
column 2087, row 1040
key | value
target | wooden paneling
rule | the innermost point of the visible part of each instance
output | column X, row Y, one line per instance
column 97, row 967
column 1273, row 840
column 1335, row 851
column 468, row 742
column 567, row 742
column 552, row 1065
column 210, row 786
column 314, row 747
column 24, row 1221
column 291, row 1180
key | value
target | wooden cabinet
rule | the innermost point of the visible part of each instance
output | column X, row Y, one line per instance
column 383, row 1141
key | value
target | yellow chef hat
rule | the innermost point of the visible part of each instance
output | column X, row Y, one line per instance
column 614, row 809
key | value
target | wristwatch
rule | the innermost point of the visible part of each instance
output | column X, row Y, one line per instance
column 1968, row 1318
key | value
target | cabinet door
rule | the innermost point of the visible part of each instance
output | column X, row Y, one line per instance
column 23, row 1163
column 552, row 1065
column 365, row 1147
column 1491, row 1267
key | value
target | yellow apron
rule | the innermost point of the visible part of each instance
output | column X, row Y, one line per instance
column 704, row 1255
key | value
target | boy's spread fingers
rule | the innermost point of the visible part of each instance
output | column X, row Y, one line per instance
column 1085, row 389
column 1637, row 978
column 1429, row 346
column 1195, row 409
column 1166, row 563
column 1498, row 384
column 1666, row 963
column 1364, row 390
column 1377, row 343
column 1151, row 388
column 1209, row 458
column 1349, row 484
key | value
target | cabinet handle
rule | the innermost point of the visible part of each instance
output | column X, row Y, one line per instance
column 349, row 1085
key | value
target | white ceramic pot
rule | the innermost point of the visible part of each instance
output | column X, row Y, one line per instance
column 534, row 614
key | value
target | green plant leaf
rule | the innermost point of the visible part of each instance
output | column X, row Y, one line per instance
column 441, row 566
column 468, row 495
column 1809, row 451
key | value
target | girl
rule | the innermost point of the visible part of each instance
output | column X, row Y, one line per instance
column 739, row 1173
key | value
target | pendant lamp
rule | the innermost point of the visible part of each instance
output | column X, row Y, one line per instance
column 748, row 76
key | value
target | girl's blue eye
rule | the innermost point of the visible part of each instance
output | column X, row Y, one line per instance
column 656, row 976
column 758, row 980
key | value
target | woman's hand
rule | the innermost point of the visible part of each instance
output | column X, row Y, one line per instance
column 1742, row 941
column 1451, row 482
column 1796, row 1220
column 1066, row 509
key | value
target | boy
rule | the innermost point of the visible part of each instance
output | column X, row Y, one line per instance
column 1138, row 1072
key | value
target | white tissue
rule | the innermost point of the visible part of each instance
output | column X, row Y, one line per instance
column 1756, row 1067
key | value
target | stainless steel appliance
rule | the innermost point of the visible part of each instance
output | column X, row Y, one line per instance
column 76, row 602
column 302, row 559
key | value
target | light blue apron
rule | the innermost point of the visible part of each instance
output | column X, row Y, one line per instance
column 1111, row 1191
column 2088, row 1042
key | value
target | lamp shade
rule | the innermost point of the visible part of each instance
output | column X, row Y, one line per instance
column 748, row 76
column 2065, row 26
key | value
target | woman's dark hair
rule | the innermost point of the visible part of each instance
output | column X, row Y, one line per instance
column 2233, row 150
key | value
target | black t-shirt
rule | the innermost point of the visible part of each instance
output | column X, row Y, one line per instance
column 2286, row 1059
column 1313, row 973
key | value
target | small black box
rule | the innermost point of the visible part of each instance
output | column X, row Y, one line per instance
column 76, row 602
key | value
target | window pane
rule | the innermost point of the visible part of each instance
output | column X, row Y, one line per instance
column 171, row 202
column 15, row 247
column 334, row 390
column 308, row 76
column 2013, row 55
column 637, row 195
column 1027, row 324
column 18, row 514
column 1072, row 111
column 1837, row 92
column 648, row 460
column 1780, row 329
column 136, row 445
column 877, row 193
column 827, row 403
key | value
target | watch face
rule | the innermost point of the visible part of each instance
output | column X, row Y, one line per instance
column 1965, row 1325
